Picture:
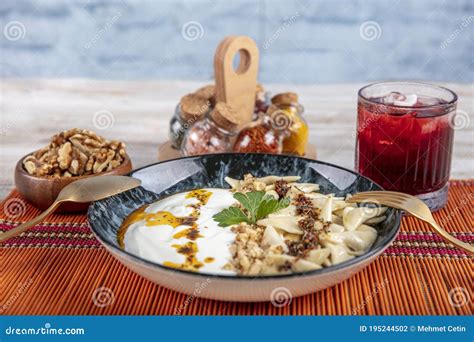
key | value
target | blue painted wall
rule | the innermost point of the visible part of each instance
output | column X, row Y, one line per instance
column 300, row 41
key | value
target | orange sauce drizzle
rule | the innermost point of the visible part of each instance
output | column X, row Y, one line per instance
column 189, row 250
column 160, row 218
column 189, row 233
column 201, row 195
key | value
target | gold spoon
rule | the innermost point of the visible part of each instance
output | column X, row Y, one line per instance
column 81, row 191
column 412, row 205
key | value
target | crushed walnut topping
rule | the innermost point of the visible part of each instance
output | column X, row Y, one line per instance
column 76, row 152
column 249, row 184
column 249, row 255
column 247, row 252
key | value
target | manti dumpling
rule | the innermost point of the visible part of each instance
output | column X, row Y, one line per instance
column 286, row 223
column 272, row 238
column 357, row 241
column 318, row 256
column 354, row 217
column 275, row 261
column 338, row 254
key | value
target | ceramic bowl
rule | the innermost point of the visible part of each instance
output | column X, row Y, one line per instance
column 42, row 191
column 208, row 171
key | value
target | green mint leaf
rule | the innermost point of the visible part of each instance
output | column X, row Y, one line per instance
column 250, row 201
column 283, row 203
column 230, row 216
column 256, row 203
column 270, row 205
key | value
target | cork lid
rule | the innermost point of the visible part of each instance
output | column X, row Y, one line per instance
column 207, row 92
column 225, row 117
column 285, row 99
column 193, row 107
column 272, row 109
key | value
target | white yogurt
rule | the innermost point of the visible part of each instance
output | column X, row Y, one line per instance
column 158, row 243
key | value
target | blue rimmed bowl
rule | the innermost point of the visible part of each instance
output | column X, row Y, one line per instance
column 208, row 171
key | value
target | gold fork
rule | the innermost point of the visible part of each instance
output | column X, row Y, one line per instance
column 412, row 205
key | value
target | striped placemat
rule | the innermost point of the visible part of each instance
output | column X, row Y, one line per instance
column 60, row 268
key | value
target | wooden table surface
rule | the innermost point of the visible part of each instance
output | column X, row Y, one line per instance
column 137, row 112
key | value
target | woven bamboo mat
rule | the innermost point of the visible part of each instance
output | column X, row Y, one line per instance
column 59, row 268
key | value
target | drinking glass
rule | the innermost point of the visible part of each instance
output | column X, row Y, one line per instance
column 405, row 138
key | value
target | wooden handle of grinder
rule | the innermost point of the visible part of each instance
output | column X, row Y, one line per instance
column 237, row 87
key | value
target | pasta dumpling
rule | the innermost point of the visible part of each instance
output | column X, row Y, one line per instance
column 272, row 238
column 302, row 265
column 286, row 223
column 318, row 256
column 354, row 217
column 338, row 253
column 358, row 240
column 307, row 187
column 326, row 210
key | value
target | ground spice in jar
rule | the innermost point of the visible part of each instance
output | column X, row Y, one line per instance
column 259, row 136
column 213, row 134
column 261, row 100
column 191, row 108
column 297, row 137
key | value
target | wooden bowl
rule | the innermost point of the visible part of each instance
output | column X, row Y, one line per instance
column 42, row 191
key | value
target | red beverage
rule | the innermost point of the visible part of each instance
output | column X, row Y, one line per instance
column 405, row 138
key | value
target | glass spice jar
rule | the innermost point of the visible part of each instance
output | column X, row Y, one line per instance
column 262, row 100
column 297, row 138
column 213, row 134
column 259, row 136
column 190, row 109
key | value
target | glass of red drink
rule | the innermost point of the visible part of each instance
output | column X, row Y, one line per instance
column 405, row 138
